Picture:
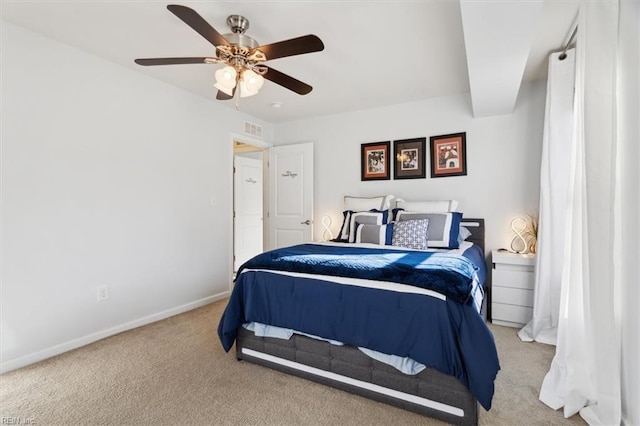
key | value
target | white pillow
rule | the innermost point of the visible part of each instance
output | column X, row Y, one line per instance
column 360, row 204
column 440, row 206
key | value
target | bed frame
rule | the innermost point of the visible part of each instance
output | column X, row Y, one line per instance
column 429, row 393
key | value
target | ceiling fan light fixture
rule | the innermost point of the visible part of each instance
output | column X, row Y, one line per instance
column 252, row 80
column 226, row 79
column 250, row 83
column 245, row 92
column 227, row 90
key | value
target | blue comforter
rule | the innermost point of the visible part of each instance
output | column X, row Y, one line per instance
column 445, row 333
column 446, row 273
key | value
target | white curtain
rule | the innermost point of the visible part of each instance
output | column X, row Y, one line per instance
column 599, row 266
column 554, row 186
column 628, row 232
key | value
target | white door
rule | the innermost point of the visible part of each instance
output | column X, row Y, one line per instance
column 248, row 205
column 290, row 195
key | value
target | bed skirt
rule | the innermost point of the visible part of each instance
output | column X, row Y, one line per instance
column 429, row 393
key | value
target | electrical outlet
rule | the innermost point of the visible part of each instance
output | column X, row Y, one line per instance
column 103, row 293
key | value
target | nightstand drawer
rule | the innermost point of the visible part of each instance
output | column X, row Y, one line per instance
column 512, row 296
column 513, row 278
column 511, row 313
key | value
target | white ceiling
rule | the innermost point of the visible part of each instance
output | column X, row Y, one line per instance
column 376, row 52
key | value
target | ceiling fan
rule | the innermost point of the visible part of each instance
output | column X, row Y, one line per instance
column 245, row 70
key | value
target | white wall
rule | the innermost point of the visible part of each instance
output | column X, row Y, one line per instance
column 108, row 178
column 503, row 163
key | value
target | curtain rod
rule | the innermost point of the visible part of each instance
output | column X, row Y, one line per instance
column 563, row 55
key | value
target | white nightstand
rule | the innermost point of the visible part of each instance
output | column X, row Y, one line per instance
column 512, row 288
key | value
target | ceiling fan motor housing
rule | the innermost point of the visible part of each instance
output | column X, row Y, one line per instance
column 238, row 25
column 241, row 40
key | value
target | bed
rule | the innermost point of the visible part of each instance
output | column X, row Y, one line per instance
column 365, row 334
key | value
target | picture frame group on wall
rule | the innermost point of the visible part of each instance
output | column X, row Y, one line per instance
column 374, row 162
column 410, row 158
column 449, row 155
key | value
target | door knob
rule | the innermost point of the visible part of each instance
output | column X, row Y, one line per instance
column 306, row 222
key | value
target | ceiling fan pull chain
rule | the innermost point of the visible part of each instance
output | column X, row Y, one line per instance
column 238, row 90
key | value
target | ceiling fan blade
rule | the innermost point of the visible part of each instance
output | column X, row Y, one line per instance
column 287, row 81
column 221, row 96
column 295, row 46
column 170, row 61
column 197, row 22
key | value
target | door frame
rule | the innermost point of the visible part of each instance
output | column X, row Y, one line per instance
column 265, row 191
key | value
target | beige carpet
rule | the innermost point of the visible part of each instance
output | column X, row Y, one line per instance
column 175, row 372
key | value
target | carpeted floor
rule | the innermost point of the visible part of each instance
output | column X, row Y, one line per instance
column 175, row 372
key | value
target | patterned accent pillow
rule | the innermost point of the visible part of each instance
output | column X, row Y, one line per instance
column 443, row 227
column 375, row 234
column 411, row 234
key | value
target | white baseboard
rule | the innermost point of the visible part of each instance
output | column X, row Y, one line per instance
column 14, row 364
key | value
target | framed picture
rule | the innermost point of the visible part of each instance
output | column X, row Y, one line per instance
column 449, row 155
column 375, row 161
column 410, row 158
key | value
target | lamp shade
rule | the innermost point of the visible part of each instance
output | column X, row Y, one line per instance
column 250, row 83
column 226, row 80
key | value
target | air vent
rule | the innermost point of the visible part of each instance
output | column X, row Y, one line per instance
column 253, row 129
